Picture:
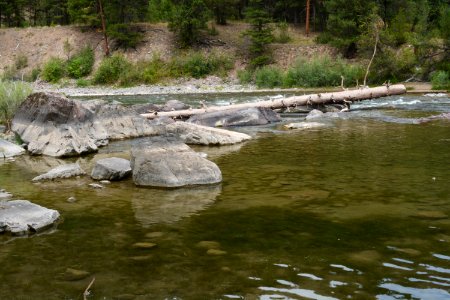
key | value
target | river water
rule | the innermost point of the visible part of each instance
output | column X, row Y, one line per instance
column 357, row 210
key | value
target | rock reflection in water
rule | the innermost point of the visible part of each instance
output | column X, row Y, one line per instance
column 169, row 206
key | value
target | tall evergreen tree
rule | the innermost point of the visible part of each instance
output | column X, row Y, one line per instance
column 189, row 16
column 260, row 33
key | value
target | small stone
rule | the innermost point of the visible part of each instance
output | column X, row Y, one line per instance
column 96, row 186
column 215, row 252
column 155, row 234
column 74, row 274
column 105, row 182
column 409, row 251
column 71, row 199
column 144, row 245
column 5, row 195
column 226, row 269
column 432, row 214
column 208, row 245
column 141, row 257
column 366, row 257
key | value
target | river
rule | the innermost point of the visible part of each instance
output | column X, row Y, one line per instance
column 357, row 210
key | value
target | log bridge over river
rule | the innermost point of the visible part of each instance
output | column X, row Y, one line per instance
column 343, row 97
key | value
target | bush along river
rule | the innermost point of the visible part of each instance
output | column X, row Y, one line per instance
column 357, row 209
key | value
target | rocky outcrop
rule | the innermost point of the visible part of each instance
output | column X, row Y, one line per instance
column 236, row 117
column 202, row 135
column 164, row 162
column 61, row 172
column 8, row 149
column 112, row 168
column 21, row 216
column 56, row 126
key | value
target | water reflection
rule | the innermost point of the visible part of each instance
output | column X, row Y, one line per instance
column 169, row 206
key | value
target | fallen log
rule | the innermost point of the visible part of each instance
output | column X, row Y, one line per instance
column 344, row 97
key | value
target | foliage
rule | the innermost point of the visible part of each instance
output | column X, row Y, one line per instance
column 197, row 65
column 12, row 94
column 154, row 70
column 81, row 64
column 21, row 61
column 159, row 10
column 260, row 33
column 245, row 76
column 222, row 9
column 125, row 36
column 283, row 35
column 268, row 77
column 54, row 69
column 441, row 80
column 189, row 16
column 110, row 69
column 83, row 82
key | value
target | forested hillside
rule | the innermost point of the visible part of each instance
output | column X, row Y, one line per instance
column 411, row 38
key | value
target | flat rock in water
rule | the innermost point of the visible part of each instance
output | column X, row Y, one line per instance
column 215, row 252
column 208, row 245
column 304, row 125
column 74, row 274
column 4, row 195
column 172, row 105
column 8, row 149
column 236, row 117
column 112, row 168
column 21, row 216
column 144, row 245
column 164, row 162
column 203, row 135
column 314, row 114
column 61, row 172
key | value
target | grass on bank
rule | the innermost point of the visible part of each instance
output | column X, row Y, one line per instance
column 12, row 94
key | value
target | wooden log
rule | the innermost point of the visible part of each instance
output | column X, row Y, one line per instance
column 330, row 98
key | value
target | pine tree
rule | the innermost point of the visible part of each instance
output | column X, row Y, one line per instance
column 260, row 33
column 189, row 16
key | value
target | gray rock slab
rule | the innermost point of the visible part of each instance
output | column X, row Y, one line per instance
column 50, row 124
column 61, row 172
column 314, row 114
column 112, row 168
column 236, row 117
column 21, row 216
column 4, row 195
column 8, row 149
column 202, row 135
column 171, row 163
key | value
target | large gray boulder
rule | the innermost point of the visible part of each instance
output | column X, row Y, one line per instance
column 61, row 172
column 164, row 162
column 56, row 126
column 236, row 117
column 8, row 149
column 202, row 135
column 112, row 168
column 21, row 216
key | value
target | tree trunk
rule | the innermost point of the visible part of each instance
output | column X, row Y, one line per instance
column 334, row 97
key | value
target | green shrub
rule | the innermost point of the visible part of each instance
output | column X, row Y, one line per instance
column 283, row 35
column 321, row 72
column 81, row 64
column 83, row 82
column 245, row 76
column 21, row 61
column 110, row 69
column 155, row 70
column 54, row 70
column 12, row 94
column 125, row 36
column 197, row 65
column 440, row 80
column 269, row 77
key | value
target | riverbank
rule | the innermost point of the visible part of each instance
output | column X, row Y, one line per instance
column 207, row 85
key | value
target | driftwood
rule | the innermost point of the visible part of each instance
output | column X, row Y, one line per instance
column 343, row 97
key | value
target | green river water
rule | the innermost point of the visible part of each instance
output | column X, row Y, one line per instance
column 357, row 210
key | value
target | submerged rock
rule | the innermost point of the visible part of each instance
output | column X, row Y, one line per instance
column 443, row 116
column 305, row 125
column 236, row 117
column 314, row 114
column 144, row 245
column 163, row 162
column 74, row 274
column 21, row 216
column 50, row 124
column 202, row 135
column 112, row 168
column 5, row 195
column 8, row 149
column 61, row 172
column 208, row 245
